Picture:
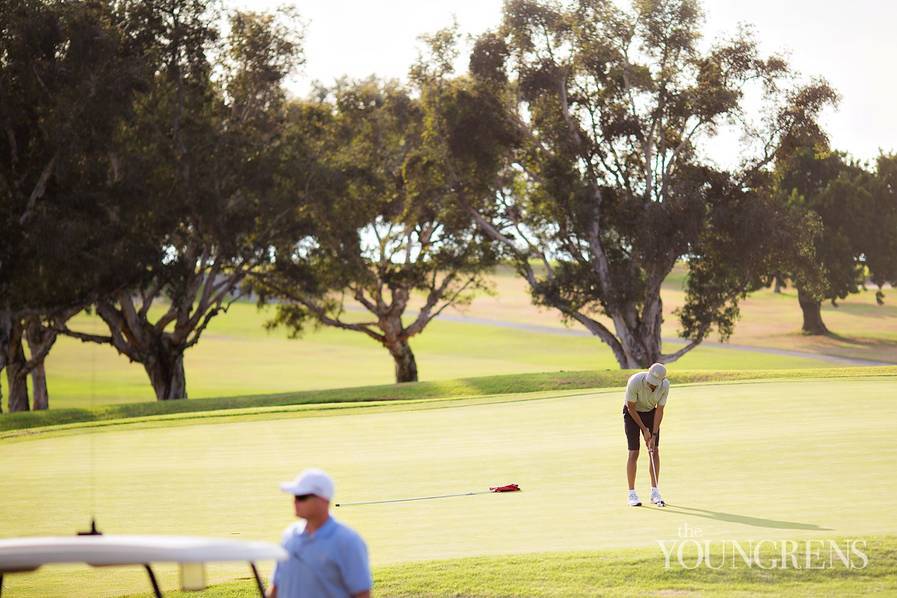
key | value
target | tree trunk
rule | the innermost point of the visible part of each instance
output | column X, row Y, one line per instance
column 160, row 353
column 18, row 386
column 16, row 372
column 636, row 343
column 406, row 365
column 642, row 348
column 5, row 327
column 812, row 309
column 777, row 281
column 39, row 395
column 639, row 334
column 40, row 341
column 166, row 373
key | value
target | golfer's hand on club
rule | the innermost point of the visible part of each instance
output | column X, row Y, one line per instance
column 652, row 438
column 649, row 439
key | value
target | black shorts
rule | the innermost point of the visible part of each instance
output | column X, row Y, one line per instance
column 633, row 432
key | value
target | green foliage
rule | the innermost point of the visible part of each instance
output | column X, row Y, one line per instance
column 879, row 243
column 68, row 78
column 731, row 259
column 70, row 75
column 856, row 211
column 820, row 183
column 205, row 150
column 608, row 186
column 387, row 220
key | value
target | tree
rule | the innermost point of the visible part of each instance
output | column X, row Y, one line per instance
column 69, row 74
column 207, row 148
column 612, row 185
column 879, row 244
column 392, row 228
column 820, row 182
column 857, row 216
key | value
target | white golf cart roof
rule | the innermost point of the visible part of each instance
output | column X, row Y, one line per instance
column 27, row 554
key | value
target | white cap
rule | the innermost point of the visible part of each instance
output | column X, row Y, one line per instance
column 310, row 481
column 656, row 374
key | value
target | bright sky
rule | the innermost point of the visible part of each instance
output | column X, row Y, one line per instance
column 852, row 44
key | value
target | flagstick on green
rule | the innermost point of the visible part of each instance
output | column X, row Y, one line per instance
column 496, row 489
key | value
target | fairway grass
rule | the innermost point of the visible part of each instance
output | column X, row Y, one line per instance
column 237, row 356
column 503, row 333
column 166, row 412
column 772, row 460
column 861, row 328
column 621, row 573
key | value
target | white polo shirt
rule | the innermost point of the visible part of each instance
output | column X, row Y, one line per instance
column 638, row 392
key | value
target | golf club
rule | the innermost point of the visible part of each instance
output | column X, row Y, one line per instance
column 654, row 470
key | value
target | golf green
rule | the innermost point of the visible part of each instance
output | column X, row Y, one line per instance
column 763, row 460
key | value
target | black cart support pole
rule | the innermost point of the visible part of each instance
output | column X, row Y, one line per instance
column 152, row 576
column 258, row 579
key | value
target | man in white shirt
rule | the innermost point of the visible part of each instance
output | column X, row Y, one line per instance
column 646, row 396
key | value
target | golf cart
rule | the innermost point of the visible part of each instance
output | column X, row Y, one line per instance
column 27, row 554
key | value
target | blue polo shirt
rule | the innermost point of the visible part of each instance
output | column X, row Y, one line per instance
column 332, row 562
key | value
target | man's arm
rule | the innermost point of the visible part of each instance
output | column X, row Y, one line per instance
column 630, row 407
column 355, row 568
column 658, row 414
column 658, row 417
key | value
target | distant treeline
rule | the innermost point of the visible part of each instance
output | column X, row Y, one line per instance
column 150, row 154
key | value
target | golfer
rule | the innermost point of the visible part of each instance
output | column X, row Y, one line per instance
column 327, row 559
column 646, row 396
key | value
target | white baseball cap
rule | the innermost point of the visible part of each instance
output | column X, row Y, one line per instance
column 310, row 481
column 656, row 374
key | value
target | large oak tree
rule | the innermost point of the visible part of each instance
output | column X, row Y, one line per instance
column 206, row 146
column 614, row 183
column 69, row 76
column 392, row 226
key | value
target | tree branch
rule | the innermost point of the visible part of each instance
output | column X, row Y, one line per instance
column 424, row 317
column 675, row 356
column 116, row 323
column 39, row 189
column 321, row 314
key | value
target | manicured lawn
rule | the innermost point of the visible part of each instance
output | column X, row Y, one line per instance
column 237, row 357
column 863, row 329
column 752, row 460
column 389, row 396
column 631, row 572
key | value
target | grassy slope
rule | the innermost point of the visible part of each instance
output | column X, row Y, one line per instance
column 468, row 387
column 618, row 573
column 770, row 460
column 237, row 356
column 865, row 329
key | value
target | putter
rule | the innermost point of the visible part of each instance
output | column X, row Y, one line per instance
column 654, row 469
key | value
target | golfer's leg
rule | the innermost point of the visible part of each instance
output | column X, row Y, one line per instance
column 631, row 466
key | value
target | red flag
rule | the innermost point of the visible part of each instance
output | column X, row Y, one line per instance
column 506, row 488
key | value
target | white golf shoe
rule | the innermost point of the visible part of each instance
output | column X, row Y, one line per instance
column 634, row 499
column 656, row 498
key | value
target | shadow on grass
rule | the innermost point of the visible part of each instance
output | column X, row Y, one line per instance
column 743, row 519
column 856, row 341
column 862, row 310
